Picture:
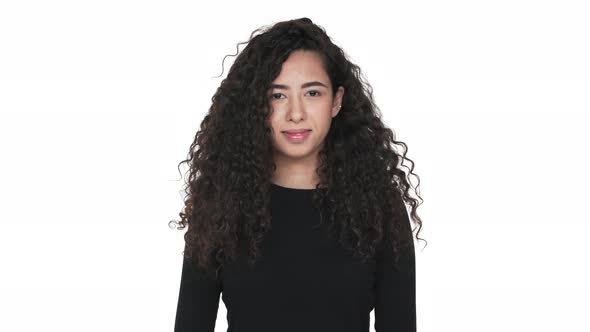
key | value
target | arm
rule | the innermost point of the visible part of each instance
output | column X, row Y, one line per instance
column 395, row 306
column 198, row 300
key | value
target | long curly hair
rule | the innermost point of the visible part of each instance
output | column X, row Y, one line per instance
column 362, row 190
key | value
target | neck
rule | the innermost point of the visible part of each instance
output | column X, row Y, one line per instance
column 296, row 173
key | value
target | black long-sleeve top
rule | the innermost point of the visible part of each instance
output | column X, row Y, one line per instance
column 304, row 282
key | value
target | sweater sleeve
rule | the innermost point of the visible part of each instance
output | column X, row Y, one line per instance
column 198, row 300
column 395, row 301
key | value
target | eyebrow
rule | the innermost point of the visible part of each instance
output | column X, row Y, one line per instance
column 304, row 85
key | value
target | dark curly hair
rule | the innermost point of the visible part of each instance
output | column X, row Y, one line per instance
column 362, row 186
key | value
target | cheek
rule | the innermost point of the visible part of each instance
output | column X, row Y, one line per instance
column 324, row 121
column 274, row 128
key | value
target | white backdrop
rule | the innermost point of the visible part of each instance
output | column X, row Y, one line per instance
column 99, row 101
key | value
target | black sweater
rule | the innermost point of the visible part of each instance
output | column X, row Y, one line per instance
column 305, row 282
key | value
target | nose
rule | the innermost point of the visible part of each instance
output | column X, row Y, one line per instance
column 296, row 110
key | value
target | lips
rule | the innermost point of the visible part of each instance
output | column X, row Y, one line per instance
column 297, row 136
column 297, row 131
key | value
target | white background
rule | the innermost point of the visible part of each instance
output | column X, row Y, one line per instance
column 100, row 100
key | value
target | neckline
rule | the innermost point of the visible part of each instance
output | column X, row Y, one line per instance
column 302, row 190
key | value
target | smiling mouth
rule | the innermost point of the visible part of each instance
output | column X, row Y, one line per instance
column 297, row 137
column 293, row 132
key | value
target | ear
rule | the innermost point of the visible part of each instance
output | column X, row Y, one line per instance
column 337, row 104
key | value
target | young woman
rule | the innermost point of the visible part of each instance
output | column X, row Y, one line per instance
column 296, row 209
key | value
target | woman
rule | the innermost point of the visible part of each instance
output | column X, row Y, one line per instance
column 295, row 208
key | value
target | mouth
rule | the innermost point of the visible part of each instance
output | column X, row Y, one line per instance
column 297, row 136
column 297, row 131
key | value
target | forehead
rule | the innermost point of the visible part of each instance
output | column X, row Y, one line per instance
column 302, row 65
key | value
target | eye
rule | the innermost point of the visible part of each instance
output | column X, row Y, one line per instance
column 277, row 95
column 272, row 96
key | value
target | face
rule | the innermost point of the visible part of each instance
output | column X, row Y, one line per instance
column 301, row 98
